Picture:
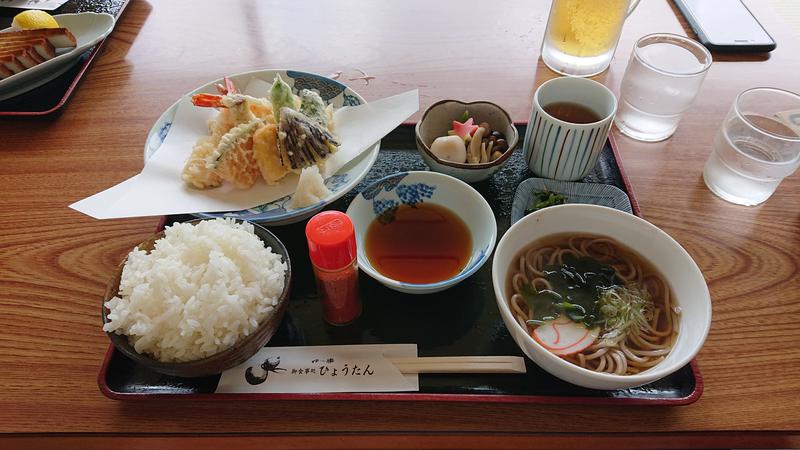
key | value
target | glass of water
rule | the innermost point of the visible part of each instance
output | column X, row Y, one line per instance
column 663, row 77
column 757, row 146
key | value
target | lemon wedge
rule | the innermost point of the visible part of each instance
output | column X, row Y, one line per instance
column 33, row 20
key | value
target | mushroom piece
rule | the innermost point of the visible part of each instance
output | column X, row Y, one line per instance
column 450, row 148
column 474, row 150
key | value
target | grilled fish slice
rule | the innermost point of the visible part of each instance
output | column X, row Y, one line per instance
column 25, row 55
column 42, row 46
column 11, row 62
column 58, row 37
column 23, row 51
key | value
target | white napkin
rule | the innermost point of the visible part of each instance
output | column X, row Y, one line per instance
column 159, row 189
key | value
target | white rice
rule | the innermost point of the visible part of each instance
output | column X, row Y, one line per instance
column 201, row 289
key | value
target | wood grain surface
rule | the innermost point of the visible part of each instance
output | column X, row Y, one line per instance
column 55, row 263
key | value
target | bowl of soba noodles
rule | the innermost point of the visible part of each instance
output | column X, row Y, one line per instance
column 600, row 298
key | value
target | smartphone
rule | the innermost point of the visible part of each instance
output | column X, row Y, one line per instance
column 725, row 26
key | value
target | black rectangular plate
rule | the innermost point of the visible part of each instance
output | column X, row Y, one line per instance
column 463, row 320
column 52, row 96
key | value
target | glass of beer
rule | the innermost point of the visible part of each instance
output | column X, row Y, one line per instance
column 582, row 35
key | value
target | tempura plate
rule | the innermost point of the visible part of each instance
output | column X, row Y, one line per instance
column 278, row 212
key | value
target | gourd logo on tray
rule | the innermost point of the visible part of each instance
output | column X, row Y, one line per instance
column 269, row 365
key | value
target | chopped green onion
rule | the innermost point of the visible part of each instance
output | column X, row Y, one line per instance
column 624, row 311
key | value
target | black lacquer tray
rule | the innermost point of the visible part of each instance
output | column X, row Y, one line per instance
column 463, row 320
column 50, row 97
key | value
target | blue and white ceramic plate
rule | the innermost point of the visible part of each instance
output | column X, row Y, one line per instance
column 383, row 197
column 278, row 212
column 586, row 193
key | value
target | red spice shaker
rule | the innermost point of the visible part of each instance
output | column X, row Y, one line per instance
column 332, row 248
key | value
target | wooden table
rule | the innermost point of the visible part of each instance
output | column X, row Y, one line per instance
column 54, row 262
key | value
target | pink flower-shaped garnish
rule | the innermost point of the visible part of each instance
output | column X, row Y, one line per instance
column 464, row 129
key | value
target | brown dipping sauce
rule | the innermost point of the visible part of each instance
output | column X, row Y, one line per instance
column 423, row 244
column 571, row 112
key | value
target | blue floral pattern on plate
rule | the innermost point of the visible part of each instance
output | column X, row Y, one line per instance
column 414, row 194
column 385, row 184
column 155, row 140
column 385, row 209
column 327, row 88
column 350, row 100
column 408, row 194
column 162, row 133
column 279, row 211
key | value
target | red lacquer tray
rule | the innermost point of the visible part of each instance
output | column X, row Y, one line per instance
column 462, row 320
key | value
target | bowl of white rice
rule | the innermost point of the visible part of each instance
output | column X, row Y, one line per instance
column 199, row 297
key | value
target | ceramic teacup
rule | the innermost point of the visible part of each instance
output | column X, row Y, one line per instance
column 562, row 150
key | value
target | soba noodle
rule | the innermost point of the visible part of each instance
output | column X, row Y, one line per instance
column 638, row 351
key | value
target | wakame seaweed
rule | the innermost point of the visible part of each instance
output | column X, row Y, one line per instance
column 576, row 287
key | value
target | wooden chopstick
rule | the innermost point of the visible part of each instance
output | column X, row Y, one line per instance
column 460, row 364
